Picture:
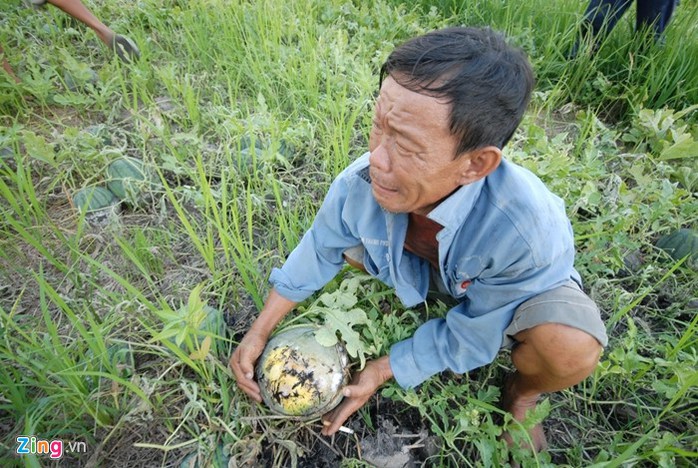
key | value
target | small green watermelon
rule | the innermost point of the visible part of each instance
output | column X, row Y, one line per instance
column 246, row 142
column 91, row 199
column 99, row 205
column 100, row 133
column 247, row 161
column 128, row 178
column 77, row 80
column 119, row 357
column 680, row 244
column 6, row 153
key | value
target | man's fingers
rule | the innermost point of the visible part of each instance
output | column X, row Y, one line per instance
column 241, row 367
column 363, row 386
column 255, row 396
column 251, row 389
column 245, row 376
column 246, row 381
column 245, row 370
column 248, row 384
column 333, row 421
column 336, row 423
column 233, row 364
column 357, row 391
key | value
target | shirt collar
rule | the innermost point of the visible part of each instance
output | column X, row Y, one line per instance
column 451, row 212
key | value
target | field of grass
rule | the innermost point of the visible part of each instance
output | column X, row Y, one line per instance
column 116, row 332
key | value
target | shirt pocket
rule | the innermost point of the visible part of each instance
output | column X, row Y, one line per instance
column 462, row 276
column 458, row 285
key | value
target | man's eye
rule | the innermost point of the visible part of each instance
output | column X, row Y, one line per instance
column 402, row 150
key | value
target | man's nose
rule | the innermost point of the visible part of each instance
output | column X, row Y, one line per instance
column 379, row 157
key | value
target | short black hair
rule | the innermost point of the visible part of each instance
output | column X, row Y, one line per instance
column 487, row 81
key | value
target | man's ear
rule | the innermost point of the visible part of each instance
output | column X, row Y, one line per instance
column 479, row 163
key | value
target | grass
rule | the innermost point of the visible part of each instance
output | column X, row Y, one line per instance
column 103, row 330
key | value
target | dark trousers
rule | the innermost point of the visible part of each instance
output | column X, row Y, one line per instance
column 602, row 15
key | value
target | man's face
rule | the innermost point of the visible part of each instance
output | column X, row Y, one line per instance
column 412, row 163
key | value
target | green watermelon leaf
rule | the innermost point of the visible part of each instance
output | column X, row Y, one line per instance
column 344, row 297
column 37, row 147
column 342, row 321
column 684, row 146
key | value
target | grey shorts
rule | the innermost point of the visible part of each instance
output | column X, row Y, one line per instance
column 567, row 305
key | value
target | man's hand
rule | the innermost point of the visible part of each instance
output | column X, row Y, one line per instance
column 243, row 360
column 252, row 345
column 363, row 385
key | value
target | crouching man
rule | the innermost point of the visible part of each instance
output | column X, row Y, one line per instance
column 433, row 205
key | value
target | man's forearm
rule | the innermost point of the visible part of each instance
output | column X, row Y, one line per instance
column 275, row 309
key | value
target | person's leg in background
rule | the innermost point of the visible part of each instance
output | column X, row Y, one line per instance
column 6, row 66
column 654, row 14
column 600, row 17
column 124, row 47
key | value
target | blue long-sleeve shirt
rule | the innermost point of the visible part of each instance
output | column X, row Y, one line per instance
column 505, row 239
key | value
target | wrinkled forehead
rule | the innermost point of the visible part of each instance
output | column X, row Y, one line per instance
column 396, row 91
column 432, row 88
column 399, row 100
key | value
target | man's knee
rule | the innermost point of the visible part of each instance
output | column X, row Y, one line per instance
column 561, row 350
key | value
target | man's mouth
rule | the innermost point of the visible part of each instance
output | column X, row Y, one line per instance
column 376, row 182
column 380, row 188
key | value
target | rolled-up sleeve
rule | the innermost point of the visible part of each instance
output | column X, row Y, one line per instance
column 318, row 256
